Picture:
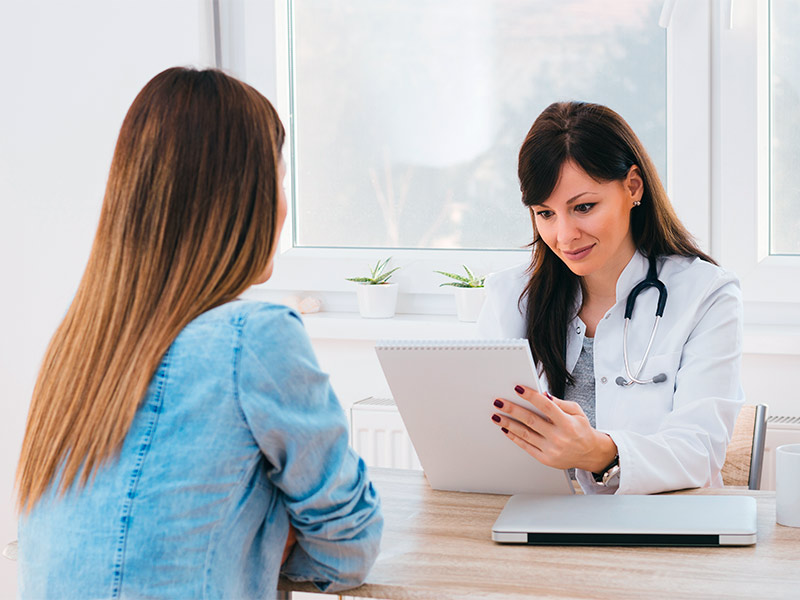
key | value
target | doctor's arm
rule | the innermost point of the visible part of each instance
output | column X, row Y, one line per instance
column 688, row 449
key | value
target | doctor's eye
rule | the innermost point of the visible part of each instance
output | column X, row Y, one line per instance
column 585, row 207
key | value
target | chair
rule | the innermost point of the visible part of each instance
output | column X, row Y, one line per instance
column 745, row 453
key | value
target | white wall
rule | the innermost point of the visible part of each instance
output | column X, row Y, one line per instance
column 770, row 379
column 70, row 72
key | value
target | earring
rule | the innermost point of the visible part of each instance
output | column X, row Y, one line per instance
column 637, row 203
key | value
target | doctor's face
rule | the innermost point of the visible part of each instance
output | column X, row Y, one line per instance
column 586, row 223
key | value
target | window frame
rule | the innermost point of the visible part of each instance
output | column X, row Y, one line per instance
column 323, row 270
column 741, row 166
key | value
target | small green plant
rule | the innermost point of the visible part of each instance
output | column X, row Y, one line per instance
column 470, row 281
column 376, row 274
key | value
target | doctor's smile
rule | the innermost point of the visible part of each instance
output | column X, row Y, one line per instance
column 578, row 254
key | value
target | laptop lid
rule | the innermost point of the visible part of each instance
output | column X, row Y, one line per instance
column 628, row 520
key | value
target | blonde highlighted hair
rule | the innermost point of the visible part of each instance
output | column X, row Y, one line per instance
column 188, row 223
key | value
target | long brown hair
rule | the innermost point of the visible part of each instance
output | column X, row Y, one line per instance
column 187, row 224
column 601, row 143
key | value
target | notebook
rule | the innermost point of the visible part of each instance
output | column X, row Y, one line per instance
column 444, row 392
column 621, row 520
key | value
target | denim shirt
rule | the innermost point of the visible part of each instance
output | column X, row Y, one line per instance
column 239, row 435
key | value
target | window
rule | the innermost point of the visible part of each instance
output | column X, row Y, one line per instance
column 755, row 139
column 784, row 127
column 384, row 165
column 409, row 115
column 456, row 185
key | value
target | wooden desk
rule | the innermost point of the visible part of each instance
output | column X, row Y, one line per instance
column 438, row 545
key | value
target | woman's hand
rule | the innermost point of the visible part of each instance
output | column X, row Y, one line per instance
column 563, row 440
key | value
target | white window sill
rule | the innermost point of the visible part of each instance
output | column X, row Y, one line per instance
column 417, row 322
column 350, row 326
column 758, row 339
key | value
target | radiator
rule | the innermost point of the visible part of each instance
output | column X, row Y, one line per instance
column 780, row 430
column 377, row 433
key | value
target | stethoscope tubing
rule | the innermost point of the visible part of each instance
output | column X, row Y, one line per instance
column 651, row 280
column 631, row 377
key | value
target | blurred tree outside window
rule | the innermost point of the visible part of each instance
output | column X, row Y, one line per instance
column 409, row 114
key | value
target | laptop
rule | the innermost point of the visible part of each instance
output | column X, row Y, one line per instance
column 627, row 520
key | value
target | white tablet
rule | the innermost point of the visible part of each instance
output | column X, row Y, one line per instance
column 444, row 391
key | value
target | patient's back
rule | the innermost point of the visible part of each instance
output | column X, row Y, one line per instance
column 239, row 431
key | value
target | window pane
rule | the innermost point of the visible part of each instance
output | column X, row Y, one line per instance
column 785, row 127
column 409, row 114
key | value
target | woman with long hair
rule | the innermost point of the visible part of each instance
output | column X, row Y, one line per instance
column 180, row 440
column 636, row 332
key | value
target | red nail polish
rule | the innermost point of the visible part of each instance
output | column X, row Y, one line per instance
column 504, row 430
column 496, row 418
column 519, row 389
column 498, row 403
column 548, row 395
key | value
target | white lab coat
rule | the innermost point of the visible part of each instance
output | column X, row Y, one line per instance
column 670, row 435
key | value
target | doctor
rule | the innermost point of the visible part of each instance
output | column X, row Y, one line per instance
column 661, row 417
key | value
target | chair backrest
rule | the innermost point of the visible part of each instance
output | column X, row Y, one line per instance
column 745, row 453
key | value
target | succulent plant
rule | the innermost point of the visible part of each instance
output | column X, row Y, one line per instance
column 470, row 281
column 377, row 275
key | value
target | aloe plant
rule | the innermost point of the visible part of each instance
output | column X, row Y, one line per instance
column 376, row 275
column 470, row 281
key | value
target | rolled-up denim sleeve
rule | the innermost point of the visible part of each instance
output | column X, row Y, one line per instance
column 301, row 429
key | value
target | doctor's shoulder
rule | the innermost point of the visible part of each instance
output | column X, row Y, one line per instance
column 509, row 280
column 695, row 280
column 503, row 316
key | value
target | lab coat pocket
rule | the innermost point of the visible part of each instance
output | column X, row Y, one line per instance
column 641, row 407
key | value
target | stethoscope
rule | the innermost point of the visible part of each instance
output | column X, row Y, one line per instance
column 651, row 280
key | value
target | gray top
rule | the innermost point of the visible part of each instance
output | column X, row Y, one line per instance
column 582, row 391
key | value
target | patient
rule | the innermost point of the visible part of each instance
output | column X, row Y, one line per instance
column 179, row 439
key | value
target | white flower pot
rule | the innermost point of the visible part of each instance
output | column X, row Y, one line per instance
column 469, row 302
column 377, row 301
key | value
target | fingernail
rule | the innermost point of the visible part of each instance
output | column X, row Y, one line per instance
column 496, row 418
column 548, row 395
column 504, row 430
column 498, row 403
column 519, row 389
